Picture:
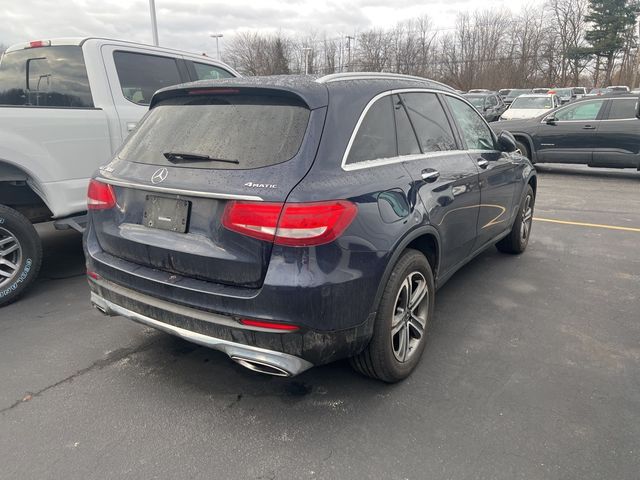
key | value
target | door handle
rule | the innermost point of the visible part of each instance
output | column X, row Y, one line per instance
column 588, row 127
column 430, row 175
column 482, row 163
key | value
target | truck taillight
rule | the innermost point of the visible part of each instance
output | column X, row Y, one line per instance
column 100, row 196
column 40, row 43
column 292, row 224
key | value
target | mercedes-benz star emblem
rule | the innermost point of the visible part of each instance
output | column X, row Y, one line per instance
column 159, row 175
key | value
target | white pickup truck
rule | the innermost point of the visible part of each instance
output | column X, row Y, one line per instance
column 66, row 105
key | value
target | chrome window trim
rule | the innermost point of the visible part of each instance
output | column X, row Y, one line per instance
column 401, row 158
column 178, row 191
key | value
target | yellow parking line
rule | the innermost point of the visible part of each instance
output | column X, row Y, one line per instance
column 593, row 225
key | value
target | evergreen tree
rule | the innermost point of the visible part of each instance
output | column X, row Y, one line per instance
column 610, row 23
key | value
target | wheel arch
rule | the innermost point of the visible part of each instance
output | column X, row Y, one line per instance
column 426, row 240
column 528, row 141
column 20, row 191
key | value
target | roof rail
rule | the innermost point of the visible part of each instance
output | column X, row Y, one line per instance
column 338, row 77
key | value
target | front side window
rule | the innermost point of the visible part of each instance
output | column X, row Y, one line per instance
column 45, row 77
column 430, row 122
column 141, row 75
column 209, row 72
column 622, row 109
column 475, row 132
column 580, row 111
column 376, row 137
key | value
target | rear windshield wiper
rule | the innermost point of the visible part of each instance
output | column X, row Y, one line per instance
column 194, row 157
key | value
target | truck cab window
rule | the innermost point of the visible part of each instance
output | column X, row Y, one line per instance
column 45, row 77
column 141, row 75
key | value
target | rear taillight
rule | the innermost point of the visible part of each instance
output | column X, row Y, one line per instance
column 100, row 196
column 292, row 224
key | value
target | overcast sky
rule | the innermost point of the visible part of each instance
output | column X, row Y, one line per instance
column 185, row 24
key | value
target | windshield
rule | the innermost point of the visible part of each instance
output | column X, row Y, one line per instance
column 516, row 93
column 235, row 131
column 538, row 103
column 476, row 100
column 563, row 92
column 600, row 91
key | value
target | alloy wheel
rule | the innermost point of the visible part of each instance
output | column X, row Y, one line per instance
column 527, row 218
column 409, row 316
column 10, row 256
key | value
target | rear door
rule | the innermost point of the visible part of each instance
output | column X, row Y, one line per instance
column 445, row 177
column 135, row 75
column 572, row 137
column 618, row 137
column 497, row 172
column 195, row 157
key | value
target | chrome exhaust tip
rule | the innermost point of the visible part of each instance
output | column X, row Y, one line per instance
column 261, row 367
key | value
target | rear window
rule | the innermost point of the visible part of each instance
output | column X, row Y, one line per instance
column 45, row 77
column 236, row 131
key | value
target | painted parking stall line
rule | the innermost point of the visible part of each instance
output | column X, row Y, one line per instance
column 591, row 225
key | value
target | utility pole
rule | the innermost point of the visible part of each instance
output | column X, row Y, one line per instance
column 217, row 36
column 306, row 51
column 154, row 24
column 349, row 38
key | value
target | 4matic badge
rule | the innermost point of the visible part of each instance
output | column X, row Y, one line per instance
column 260, row 185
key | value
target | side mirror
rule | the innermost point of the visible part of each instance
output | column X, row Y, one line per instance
column 550, row 119
column 506, row 142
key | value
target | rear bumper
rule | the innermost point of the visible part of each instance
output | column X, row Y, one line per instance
column 272, row 362
column 281, row 353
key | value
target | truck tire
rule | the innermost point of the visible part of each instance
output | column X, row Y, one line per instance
column 20, row 254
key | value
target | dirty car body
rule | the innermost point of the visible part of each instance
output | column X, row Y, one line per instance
column 281, row 297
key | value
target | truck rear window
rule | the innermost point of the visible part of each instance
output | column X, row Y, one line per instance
column 45, row 77
column 235, row 131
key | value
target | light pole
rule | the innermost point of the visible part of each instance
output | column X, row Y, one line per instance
column 154, row 24
column 306, row 59
column 217, row 36
column 349, row 38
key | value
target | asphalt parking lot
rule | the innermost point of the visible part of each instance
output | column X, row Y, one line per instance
column 532, row 371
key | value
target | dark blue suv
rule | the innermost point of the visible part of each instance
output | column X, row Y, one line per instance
column 293, row 221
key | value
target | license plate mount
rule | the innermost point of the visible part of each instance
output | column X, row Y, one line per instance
column 165, row 213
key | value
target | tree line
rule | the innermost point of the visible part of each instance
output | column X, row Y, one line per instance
column 562, row 43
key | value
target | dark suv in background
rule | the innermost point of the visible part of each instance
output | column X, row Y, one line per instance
column 290, row 222
column 599, row 131
column 489, row 104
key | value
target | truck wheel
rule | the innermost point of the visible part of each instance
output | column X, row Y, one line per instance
column 20, row 254
column 399, row 333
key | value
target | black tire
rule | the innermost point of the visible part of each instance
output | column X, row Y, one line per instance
column 20, row 255
column 524, row 148
column 518, row 239
column 381, row 358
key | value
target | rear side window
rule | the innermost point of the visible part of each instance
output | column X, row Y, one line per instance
column 234, row 131
column 473, row 129
column 623, row 109
column 209, row 72
column 141, row 75
column 45, row 77
column 430, row 122
column 376, row 137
